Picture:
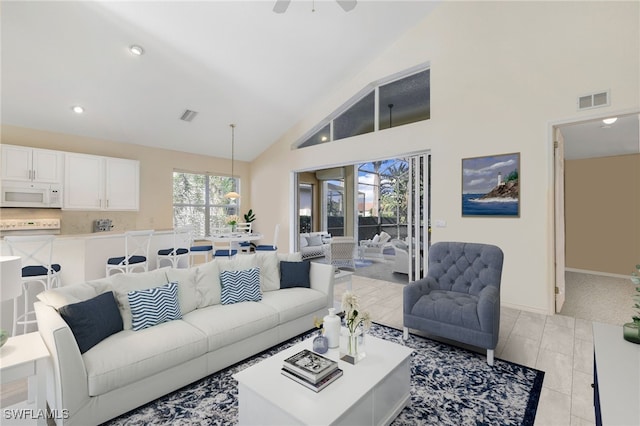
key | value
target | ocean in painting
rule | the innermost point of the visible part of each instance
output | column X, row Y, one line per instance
column 471, row 206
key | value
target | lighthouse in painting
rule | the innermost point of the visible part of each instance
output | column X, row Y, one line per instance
column 500, row 182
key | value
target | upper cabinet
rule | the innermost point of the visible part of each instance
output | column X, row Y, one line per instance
column 101, row 183
column 32, row 164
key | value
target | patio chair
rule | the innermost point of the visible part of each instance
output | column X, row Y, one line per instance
column 459, row 299
column 340, row 252
column 375, row 246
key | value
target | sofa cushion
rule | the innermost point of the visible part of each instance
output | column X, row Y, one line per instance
column 303, row 240
column 295, row 274
column 240, row 286
column 208, row 284
column 61, row 296
column 269, row 270
column 449, row 307
column 227, row 324
column 93, row 320
column 153, row 306
column 187, row 293
column 122, row 284
column 130, row 356
column 294, row 303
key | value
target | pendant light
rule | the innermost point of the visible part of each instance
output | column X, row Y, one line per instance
column 232, row 195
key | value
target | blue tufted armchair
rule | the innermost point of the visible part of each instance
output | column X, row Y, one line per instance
column 459, row 299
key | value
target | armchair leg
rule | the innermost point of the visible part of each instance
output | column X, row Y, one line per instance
column 405, row 333
column 490, row 357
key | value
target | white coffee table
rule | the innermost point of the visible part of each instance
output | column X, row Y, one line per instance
column 372, row 392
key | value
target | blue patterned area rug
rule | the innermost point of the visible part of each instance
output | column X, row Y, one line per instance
column 449, row 386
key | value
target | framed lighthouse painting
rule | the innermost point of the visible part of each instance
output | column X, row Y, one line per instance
column 491, row 186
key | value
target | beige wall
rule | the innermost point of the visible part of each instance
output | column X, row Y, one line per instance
column 156, row 171
column 602, row 211
column 501, row 74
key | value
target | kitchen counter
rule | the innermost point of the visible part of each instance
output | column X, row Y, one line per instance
column 83, row 256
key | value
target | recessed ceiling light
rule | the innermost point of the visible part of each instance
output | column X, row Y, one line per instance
column 610, row 120
column 136, row 50
column 77, row 109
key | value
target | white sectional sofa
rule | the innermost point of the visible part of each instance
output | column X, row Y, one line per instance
column 130, row 368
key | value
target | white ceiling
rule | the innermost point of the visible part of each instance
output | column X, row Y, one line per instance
column 593, row 138
column 231, row 61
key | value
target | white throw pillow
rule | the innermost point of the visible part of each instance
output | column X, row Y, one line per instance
column 303, row 241
column 187, row 293
column 208, row 284
column 315, row 240
column 376, row 238
column 269, row 273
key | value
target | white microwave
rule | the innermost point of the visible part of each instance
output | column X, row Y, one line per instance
column 29, row 194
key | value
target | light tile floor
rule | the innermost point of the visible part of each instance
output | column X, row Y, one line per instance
column 561, row 346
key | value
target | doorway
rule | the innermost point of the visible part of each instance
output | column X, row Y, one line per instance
column 595, row 172
column 366, row 199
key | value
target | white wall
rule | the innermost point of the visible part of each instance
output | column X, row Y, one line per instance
column 501, row 73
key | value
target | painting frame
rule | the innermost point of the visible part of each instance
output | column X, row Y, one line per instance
column 491, row 186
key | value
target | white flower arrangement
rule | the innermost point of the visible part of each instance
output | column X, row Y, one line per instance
column 233, row 220
column 353, row 316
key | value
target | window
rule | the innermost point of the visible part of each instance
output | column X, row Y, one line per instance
column 357, row 120
column 405, row 101
column 399, row 99
column 198, row 201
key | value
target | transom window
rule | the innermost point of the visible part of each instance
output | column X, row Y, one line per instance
column 395, row 101
column 198, row 201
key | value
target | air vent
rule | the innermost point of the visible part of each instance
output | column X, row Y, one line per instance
column 594, row 100
column 188, row 115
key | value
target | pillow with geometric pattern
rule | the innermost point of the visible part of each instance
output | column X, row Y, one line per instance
column 153, row 306
column 240, row 286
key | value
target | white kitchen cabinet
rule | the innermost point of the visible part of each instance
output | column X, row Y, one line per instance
column 32, row 164
column 101, row 183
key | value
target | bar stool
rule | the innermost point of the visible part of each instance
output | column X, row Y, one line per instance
column 136, row 248
column 36, row 254
column 182, row 238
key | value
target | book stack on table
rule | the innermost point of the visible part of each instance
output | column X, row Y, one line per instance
column 311, row 370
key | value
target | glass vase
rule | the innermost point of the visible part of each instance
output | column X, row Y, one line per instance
column 631, row 332
column 320, row 344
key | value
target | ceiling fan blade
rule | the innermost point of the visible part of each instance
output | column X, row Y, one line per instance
column 281, row 6
column 347, row 5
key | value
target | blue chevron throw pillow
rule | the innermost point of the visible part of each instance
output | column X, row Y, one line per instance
column 153, row 306
column 240, row 286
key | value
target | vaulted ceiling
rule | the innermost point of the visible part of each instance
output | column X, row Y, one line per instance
column 230, row 61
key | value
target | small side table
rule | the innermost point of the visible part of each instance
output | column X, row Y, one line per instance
column 23, row 356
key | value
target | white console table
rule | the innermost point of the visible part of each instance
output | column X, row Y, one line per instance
column 617, row 377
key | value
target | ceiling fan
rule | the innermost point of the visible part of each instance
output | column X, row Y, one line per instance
column 282, row 5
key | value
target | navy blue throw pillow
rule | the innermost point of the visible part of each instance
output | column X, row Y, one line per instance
column 295, row 274
column 91, row 321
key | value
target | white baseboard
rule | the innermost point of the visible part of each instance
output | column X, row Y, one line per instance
column 603, row 274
